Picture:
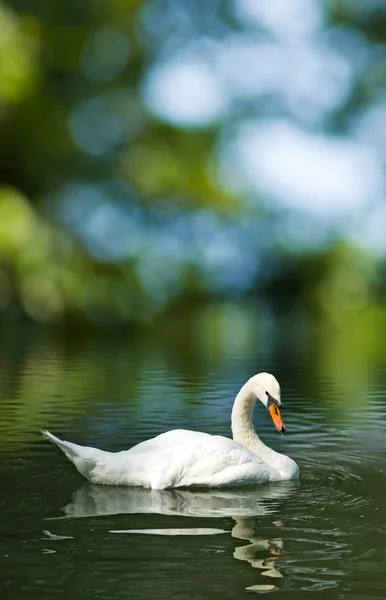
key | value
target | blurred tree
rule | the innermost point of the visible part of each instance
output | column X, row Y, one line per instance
column 119, row 194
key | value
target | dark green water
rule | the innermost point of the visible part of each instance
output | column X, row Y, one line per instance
column 326, row 534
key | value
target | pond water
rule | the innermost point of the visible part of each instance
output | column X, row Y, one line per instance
column 64, row 538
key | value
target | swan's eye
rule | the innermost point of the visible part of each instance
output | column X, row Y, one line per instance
column 272, row 400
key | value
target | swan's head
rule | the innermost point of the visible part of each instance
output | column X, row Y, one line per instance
column 267, row 389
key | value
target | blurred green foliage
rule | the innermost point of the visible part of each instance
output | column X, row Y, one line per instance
column 111, row 214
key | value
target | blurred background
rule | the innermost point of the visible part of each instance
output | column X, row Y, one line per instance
column 158, row 155
column 192, row 191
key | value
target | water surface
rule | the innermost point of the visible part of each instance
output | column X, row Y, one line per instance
column 64, row 538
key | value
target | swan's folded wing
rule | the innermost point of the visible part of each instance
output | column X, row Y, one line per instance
column 182, row 458
column 220, row 461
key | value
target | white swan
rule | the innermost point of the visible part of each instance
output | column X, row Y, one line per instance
column 182, row 458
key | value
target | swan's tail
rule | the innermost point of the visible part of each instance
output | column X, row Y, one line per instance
column 83, row 457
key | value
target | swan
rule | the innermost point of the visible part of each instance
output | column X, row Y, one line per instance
column 184, row 458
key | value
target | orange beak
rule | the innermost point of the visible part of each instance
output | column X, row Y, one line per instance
column 274, row 411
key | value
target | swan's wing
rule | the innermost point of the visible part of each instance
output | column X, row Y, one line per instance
column 219, row 461
column 168, row 440
column 182, row 458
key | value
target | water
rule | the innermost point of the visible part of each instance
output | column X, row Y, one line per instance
column 64, row 538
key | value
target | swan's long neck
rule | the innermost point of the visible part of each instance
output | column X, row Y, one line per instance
column 242, row 425
column 244, row 433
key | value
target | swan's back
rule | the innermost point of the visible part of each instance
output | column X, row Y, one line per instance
column 183, row 458
column 178, row 458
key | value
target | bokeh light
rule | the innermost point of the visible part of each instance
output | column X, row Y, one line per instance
column 166, row 154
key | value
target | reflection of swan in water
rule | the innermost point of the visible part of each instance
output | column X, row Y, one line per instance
column 245, row 530
column 242, row 505
column 94, row 500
